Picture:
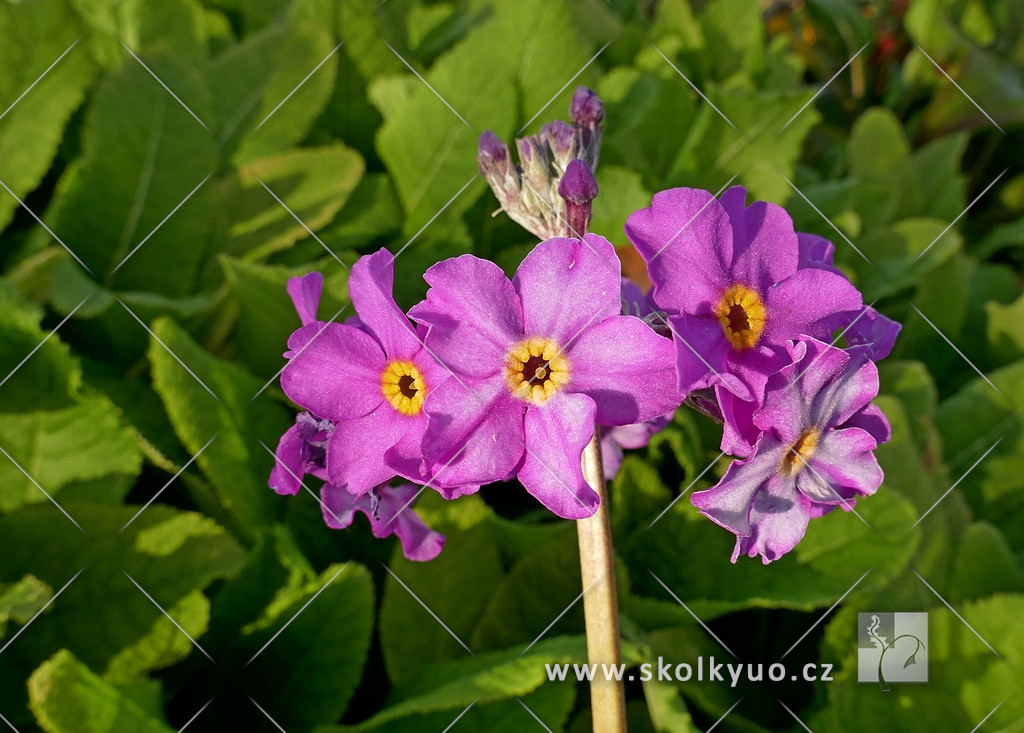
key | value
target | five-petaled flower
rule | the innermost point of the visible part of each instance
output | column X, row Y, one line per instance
column 370, row 380
column 729, row 275
column 815, row 451
column 536, row 361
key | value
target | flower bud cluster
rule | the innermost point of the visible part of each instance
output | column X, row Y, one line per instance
column 530, row 192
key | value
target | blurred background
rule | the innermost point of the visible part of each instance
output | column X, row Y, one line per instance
column 168, row 165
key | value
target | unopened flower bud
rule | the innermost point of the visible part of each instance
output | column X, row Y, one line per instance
column 559, row 136
column 492, row 154
column 586, row 108
column 578, row 188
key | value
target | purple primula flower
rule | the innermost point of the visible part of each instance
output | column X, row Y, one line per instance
column 537, row 361
column 818, row 430
column 730, row 277
column 387, row 508
column 370, row 380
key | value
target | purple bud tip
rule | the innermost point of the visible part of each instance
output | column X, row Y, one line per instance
column 578, row 185
column 586, row 107
column 558, row 135
column 491, row 147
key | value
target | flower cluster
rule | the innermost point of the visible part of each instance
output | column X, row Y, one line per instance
column 752, row 307
column 491, row 379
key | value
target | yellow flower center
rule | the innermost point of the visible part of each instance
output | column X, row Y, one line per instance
column 535, row 370
column 403, row 386
column 742, row 315
column 799, row 453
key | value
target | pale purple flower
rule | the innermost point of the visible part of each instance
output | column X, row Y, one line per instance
column 387, row 508
column 369, row 380
column 537, row 361
column 730, row 277
column 815, row 451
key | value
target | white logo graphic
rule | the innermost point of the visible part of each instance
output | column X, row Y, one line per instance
column 892, row 647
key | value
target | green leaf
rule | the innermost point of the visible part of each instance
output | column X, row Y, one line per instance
column 314, row 183
column 1006, row 329
column 428, row 150
column 878, row 146
column 170, row 554
column 323, row 648
column 21, row 600
column 50, row 377
column 164, row 645
column 235, row 463
column 516, row 614
column 984, row 564
column 372, row 212
column 456, row 587
column 133, row 174
column 86, row 441
column 34, row 37
column 971, row 422
column 757, row 151
column 250, row 80
column 893, row 253
column 67, row 697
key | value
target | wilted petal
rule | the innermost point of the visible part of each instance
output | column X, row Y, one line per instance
column 286, row 476
column 728, row 502
column 779, row 517
column 844, row 460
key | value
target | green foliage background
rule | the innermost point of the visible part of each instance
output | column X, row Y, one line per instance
column 268, row 155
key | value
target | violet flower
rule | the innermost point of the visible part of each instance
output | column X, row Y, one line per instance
column 537, row 361
column 369, row 380
column 387, row 508
column 729, row 276
column 814, row 453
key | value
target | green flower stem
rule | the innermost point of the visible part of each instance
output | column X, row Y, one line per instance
column 600, row 600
